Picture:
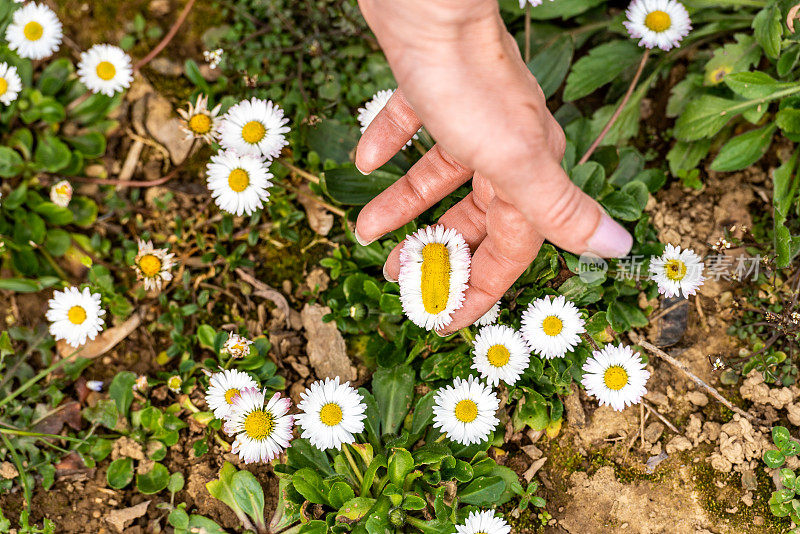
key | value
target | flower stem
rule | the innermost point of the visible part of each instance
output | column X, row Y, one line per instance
column 440, row 438
column 618, row 111
column 353, row 464
column 32, row 381
column 297, row 170
column 167, row 38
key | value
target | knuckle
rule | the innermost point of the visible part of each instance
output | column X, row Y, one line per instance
column 447, row 165
column 565, row 207
column 401, row 116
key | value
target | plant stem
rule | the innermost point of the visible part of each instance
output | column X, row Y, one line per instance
column 619, row 109
column 20, row 469
column 527, row 33
column 297, row 170
column 30, row 382
column 167, row 38
column 14, row 432
column 353, row 464
column 590, row 341
column 440, row 438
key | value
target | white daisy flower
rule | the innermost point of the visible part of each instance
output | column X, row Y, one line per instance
column 237, row 346
column 34, row 32
column 483, row 523
column 661, row 23
column 61, row 193
column 75, row 315
column 615, row 376
column 105, row 69
column 490, row 317
column 262, row 432
column 152, row 265
column 238, row 183
column 199, row 122
column 677, row 271
column 174, row 383
column 371, row 109
column 465, row 411
column 552, row 326
column 332, row 413
column 254, row 127
column 434, row 270
column 10, row 83
column 223, row 387
column 501, row 353
column 141, row 384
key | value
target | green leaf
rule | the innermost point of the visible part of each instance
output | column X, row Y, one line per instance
column 54, row 76
column 57, row 242
column 483, row 491
column 176, row 482
column 705, row 116
column 308, row 483
column 354, row 510
column 249, row 495
column 206, row 335
column 744, row 150
column 84, row 210
column 780, row 436
column 731, row 58
column 551, row 65
column 401, row 463
column 685, row 156
column 788, row 120
column 340, row 493
column 120, row 473
column 54, row 214
column 590, row 177
column 51, row 153
column 302, row 454
column 348, row 186
column 154, row 480
column 621, row 205
column 423, row 413
column 314, row 527
column 221, row 488
column 394, row 390
column 602, row 65
column 20, row 285
column 753, row 85
column 10, row 165
column 768, row 30
column 121, row 390
column 622, row 316
column 562, row 8
column 91, row 145
column 774, row 459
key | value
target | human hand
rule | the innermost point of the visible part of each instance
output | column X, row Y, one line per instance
column 460, row 74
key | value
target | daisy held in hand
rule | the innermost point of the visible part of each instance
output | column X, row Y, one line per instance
column 615, row 376
column 254, row 127
column 35, row 31
column 10, row 83
column 223, row 387
column 483, row 523
column 490, row 317
column 465, row 411
column 552, row 326
column 75, row 315
column 332, row 413
column 105, row 69
column 658, row 23
column 199, row 122
column 434, row 270
column 501, row 354
column 262, row 431
column 237, row 182
column 374, row 106
column 153, row 265
column 677, row 272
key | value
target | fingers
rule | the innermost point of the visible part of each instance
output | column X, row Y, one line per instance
column 511, row 244
column 432, row 178
column 389, row 131
column 467, row 217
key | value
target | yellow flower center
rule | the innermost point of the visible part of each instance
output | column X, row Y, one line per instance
column 466, row 411
column 33, row 31
column 258, row 425
column 105, row 70
column 200, row 124
column 675, row 270
column 435, row 286
column 76, row 315
column 552, row 325
column 658, row 21
column 331, row 414
column 498, row 355
column 174, row 382
column 615, row 378
column 238, row 180
column 150, row 265
column 62, row 190
column 230, row 394
column 3, row 86
column 253, row 132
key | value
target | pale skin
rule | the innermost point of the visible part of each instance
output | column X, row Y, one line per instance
column 460, row 74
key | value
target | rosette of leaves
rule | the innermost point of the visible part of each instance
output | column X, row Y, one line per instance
column 51, row 130
column 399, row 474
column 784, row 501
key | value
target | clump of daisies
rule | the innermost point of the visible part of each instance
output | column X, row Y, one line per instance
column 501, row 354
column 615, row 376
column 331, row 414
column 434, row 270
column 35, row 31
column 677, row 271
column 10, row 83
column 658, row 23
column 263, row 429
column 465, row 411
column 153, row 265
column 75, row 315
column 105, row 69
column 552, row 326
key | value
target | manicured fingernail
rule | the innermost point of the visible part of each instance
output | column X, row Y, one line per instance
column 361, row 241
column 610, row 239
column 359, row 170
column 386, row 275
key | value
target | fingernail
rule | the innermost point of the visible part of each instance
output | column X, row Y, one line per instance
column 610, row 239
column 386, row 274
column 361, row 241
column 359, row 170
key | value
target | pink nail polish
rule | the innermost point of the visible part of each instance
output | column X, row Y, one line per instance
column 610, row 239
column 386, row 275
column 361, row 241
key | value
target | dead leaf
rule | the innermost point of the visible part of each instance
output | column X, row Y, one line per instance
column 319, row 219
column 535, row 466
column 164, row 126
column 69, row 413
column 119, row 519
column 264, row 291
column 103, row 343
column 327, row 352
